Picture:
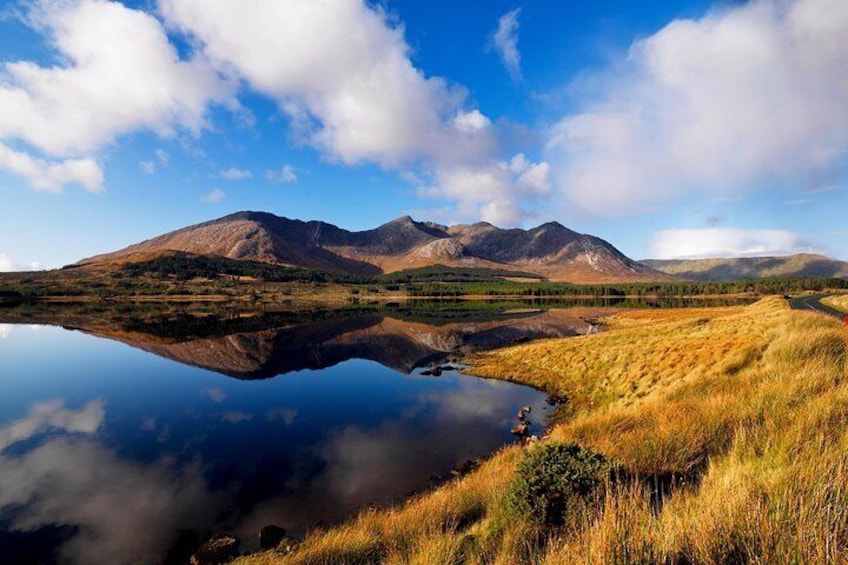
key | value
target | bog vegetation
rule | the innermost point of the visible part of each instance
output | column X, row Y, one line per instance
column 187, row 276
column 691, row 436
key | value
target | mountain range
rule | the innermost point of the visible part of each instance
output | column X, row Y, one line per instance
column 802, row 264
column 550, row 250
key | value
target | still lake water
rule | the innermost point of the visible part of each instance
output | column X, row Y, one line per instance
column 129, row 434
column 132, row 448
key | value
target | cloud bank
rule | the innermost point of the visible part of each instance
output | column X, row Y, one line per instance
column 741, row 97
column 727, row 242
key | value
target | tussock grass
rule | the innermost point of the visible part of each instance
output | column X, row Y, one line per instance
column 747, row 407
column 840, row 302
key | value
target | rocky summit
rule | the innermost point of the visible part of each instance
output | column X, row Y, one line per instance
column 550, row 250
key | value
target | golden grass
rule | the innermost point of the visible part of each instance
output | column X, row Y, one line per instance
column 747, row 405
column 840, row 302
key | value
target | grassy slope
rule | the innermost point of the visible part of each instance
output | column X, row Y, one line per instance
column 751, row 403
column 838, row 302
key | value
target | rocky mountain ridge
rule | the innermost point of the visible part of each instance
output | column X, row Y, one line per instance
column 550, row 250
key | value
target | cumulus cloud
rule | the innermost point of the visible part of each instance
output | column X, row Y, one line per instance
column 492, row 192
column 234, row 173
column 357, row 97
column 285, row 175
column 214, row 196
column 741, row 96
column 118, row 73
column 49, row 175
column 505, row 41
column 147, row 167
column 727, row 242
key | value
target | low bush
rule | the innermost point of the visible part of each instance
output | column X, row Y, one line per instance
column 554, row 477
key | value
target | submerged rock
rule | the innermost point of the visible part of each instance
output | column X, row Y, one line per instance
column 221, row 549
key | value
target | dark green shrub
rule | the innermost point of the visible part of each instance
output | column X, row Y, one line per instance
column 553, row 478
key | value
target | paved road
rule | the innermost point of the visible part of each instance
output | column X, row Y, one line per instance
column 813, row 303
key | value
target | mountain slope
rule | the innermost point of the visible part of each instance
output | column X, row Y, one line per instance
column 550, row 250
column 803, row 264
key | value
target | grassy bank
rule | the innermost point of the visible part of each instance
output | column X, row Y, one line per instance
column 839, row 302
column 745, row 407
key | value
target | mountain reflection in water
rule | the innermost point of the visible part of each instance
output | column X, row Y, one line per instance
column 111, row 455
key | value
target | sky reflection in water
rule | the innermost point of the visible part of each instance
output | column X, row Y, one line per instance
column 108, row 452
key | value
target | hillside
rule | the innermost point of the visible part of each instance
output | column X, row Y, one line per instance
column 803, row 264
column 550, row 250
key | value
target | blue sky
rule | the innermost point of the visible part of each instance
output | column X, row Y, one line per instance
column 671, row 129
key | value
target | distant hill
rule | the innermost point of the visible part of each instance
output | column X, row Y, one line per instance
column 550, row 250
column 803, row 264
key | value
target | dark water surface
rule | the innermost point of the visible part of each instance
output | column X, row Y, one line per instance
column 109, row 454
column 131, row 434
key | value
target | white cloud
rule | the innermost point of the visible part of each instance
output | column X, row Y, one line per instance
column 491, row 191
column 727, row 242
column 163, row 157
column 355, row 96
column 505, row 41
column 147, row 167
column 53, row 416
column 285, row 175
column 215, row 196
column 234, row 173
column 744, row 95
column 7, row 264
column 471, row 122
column 117, row 74
column 50, row 175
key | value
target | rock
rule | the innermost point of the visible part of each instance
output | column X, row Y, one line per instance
column 287, row 545
column 527, row 409
column 427, row 373
column 436, row 372
column 270, row 536
column 221, row 549
column 520, row 430
column 447, row 368
column 555, row 400
column 533, row 439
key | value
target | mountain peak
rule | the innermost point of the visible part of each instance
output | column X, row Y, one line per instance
column 550, row 250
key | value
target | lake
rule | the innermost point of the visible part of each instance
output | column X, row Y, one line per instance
column 131, row 433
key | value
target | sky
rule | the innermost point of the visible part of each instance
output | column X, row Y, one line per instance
column 672, row 129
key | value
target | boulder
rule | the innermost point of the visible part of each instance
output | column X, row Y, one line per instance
column 219, row 550
column 270, row 536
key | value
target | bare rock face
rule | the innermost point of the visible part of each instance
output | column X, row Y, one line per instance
column 550, row 250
